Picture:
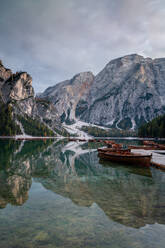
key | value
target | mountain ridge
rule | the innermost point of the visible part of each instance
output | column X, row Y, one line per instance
column 129, row 91
column 21, row 112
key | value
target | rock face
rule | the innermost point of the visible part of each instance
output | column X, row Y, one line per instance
column 18, row 87
column 4, row 73
column 66, row 95
column 127, row 92
column 16, row 90
column 49, row 115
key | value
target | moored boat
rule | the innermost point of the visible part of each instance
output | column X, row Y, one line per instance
column 143, row 147
column 127, row 158
column 109, row 143
column 149, row 143
column 153, row 147
column 112, row 150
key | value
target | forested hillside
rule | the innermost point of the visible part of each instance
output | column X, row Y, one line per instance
column 154, row 128
column 21, row 113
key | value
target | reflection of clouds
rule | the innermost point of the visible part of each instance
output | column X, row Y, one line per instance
column 126, row 195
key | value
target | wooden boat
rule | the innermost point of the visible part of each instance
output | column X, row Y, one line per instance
column 127, row 158
column 149, row 143
column 109, row 143
column 143, row 147
column 154, row 144
column 117, row 146
column 112, row 144
column 112, row 150
column 156, row 147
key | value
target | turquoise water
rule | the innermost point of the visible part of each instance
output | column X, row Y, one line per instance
column 58, row 194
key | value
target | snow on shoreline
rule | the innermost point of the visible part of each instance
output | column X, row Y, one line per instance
column 28, row 137
column 75, row 128
column 62, row 137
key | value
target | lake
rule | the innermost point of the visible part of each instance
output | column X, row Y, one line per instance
column 59, row 194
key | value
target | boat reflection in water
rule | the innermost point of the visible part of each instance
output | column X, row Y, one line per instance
column 131, row 196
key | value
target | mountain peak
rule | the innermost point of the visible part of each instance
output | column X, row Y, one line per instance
column 130, row 57
column 82, row 77
column 127, row 92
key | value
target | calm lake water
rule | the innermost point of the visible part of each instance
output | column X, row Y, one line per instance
column 58, row 194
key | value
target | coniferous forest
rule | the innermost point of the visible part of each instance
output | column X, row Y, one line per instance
column 154, row 128
column 113, row 132
column 7, row 127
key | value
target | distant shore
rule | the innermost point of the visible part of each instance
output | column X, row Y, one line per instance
column 27, row 137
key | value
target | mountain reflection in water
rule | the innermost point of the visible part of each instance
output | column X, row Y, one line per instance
column 130, row 196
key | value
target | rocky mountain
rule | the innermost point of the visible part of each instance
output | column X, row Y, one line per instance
column 66, row 95
column 21, row 112
column 128, row 92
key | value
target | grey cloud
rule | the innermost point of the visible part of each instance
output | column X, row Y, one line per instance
column 53, row 39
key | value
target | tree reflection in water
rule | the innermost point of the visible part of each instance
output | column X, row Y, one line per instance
column 131, row 196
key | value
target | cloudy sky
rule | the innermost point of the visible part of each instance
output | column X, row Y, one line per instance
column 55, row 39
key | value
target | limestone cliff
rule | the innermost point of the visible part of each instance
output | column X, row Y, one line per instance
column 20, row 111
column 66, row 95
column 127, row 92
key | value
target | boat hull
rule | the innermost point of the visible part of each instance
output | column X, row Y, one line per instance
column 134, row 159
column 113, row 150
column 147, row 147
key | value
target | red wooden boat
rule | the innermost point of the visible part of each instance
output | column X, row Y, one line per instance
column 149, row 143
column 143, row 147
column 113, row 150
column 109, row 143
column 153, row 147
column 127, row 158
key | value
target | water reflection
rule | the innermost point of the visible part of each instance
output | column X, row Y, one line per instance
column 131, row 196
